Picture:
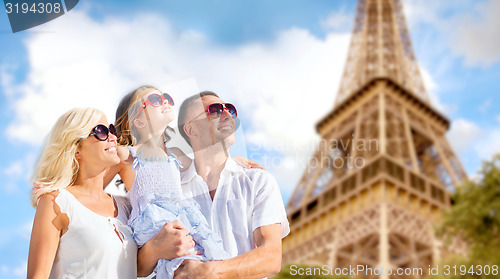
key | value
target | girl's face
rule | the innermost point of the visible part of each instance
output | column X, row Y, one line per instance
column 98, row 152
column 157, row 114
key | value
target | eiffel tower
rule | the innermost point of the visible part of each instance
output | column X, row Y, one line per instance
column 382, row 172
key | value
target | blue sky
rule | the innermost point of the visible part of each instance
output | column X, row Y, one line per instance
column 269, row 58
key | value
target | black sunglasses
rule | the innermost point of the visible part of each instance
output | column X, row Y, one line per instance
column 101, row 132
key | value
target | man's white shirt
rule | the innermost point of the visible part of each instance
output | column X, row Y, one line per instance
column 245, row 200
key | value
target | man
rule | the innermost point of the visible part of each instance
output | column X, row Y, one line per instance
column 244, row 206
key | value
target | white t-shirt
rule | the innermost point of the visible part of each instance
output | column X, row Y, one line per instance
column 245, row 200
column 94, row 246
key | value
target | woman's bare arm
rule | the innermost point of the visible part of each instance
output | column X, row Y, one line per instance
column 48, row 226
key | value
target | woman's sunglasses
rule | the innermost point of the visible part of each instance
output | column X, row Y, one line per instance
column 215, row 110
column 101, row 132
column 156, row 100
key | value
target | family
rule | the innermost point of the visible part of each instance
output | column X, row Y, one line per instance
column 213, row 216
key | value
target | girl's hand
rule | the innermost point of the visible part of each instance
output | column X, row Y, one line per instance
column 123, row 153
column 124, row 168
column 247, row 163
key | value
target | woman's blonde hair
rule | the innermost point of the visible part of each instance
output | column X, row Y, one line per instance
column 57, row 166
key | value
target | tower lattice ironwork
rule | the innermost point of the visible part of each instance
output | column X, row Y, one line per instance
column 382, row 171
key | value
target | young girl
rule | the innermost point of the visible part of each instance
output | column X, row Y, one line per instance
column 79, row 231
column 155, row 194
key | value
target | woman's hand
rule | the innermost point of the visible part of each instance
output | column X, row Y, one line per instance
column 247, row 163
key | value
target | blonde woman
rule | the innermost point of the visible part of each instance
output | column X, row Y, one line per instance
column 79, row 231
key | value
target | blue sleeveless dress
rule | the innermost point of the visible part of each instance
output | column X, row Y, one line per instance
column 156, row 198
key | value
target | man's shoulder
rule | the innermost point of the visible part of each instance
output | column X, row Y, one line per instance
column 255, row 173
column 252, row 173
column 254, row 178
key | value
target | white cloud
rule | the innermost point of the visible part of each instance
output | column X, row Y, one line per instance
column 288, row 166
column 296, row 90
column 83, row 62
column 485, row 105
column 18, row 236
column 14, row 271
column 463, row 135
column 24, row 230
column 10, row 187
column 339, row 20
column 6, row 78
column 283, row 87
column 488, row 145
column 462, row 28
column 17, row 173
column 477, row 35
column 14, row 169
column 433, row 90
column 473, row 143
column 21, row 270
column 421, row 11
column 289, row 171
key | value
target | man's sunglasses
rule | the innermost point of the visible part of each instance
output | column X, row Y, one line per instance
column 215, row 110
column 156, row 100
column 101, row 132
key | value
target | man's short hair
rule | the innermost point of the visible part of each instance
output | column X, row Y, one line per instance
column 185, row 106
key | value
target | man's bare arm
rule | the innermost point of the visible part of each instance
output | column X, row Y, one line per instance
column 263, row 261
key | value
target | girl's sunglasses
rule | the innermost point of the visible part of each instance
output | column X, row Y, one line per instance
column 215, row 110
column 156, row 100
column 101, row 132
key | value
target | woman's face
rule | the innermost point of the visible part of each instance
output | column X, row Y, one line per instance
column 154, row 119
column 96, row 152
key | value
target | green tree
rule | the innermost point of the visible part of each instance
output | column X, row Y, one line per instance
column 475, row 219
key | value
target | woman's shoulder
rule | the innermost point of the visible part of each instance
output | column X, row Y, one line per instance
column 51, row 210
column 52, row 203
column 52, row 196
column 48, row 198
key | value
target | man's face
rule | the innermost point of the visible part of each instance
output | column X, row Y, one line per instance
column 207, row 131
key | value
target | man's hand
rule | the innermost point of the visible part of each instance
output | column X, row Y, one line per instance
column 195, row 269
column 172, row 241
